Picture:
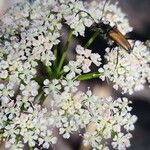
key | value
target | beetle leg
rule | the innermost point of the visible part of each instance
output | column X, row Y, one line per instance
column 117, row 58
column 107, row 80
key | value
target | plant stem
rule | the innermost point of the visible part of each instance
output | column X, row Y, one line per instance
column 30, row 148
column 55, row 50
column 39, row 80
column 69, row 37
column 48, row 70
column 88, row 76
column 92, row 39
column 62, row 72
column 42, row 98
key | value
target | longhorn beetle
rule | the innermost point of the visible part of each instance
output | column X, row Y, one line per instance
column 111, row 32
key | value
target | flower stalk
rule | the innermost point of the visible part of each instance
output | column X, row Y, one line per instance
column 90, row 41
column 55, row 51
column 88, row 76
column 66, row 46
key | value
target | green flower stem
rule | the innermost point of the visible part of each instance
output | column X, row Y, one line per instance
column 37, row 98
column 62, row 72
column 92, row 39
column 69, row 37
column 88, row 76
column 42, row 98
column 55, row 50
column 39, row 80
column 48, row 70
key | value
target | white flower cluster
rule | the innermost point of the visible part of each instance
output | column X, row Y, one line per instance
column 33, row 126
column 30, row 72
column 110, row 118
column 130, row 71
column 85, row 57
column 77, row 22
column 84, row 60
column 21, row 121
column 6, row 92
column 110, row 122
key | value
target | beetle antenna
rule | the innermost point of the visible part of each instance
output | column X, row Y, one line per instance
column 86, row 13
column 106, row 1
column 133, row 48
column 133, row 44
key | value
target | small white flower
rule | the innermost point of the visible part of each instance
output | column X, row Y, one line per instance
column 6, row 92
column 85, row 58
column 121, row 141
column 30, row 90
column 72, row 67
column 53, row 86
column 70, row 84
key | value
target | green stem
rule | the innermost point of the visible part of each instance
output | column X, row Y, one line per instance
column 69, row 37
column 88, row 76
column 42, row 98
column 30, row 148
column 39, row 80
column 48, row 70
column 92, row 39
column 62, row 72
column 55, row 54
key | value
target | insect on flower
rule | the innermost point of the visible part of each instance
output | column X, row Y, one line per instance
column 111, row 32
column 115, row 35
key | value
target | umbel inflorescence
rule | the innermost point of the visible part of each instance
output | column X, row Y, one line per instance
column 30, row 36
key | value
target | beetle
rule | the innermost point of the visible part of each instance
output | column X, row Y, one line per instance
column 115, row 35
column 111, row 32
